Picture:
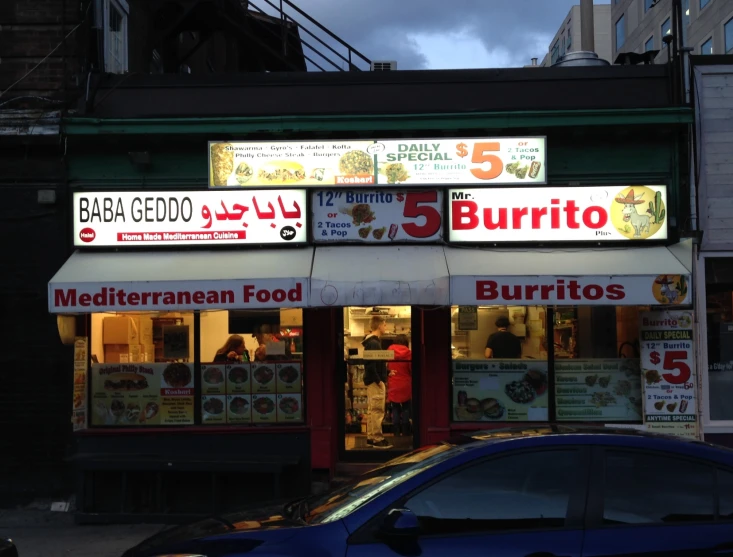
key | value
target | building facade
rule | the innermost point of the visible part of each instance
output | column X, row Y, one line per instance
column 567, row 38
column 640, row 25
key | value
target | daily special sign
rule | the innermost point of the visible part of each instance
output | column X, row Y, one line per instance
column 480, row 161
column 558, row 214
column 158, row 218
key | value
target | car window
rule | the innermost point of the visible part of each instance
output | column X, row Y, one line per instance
column 520, row 491
column 645, row 488
column 725, row 494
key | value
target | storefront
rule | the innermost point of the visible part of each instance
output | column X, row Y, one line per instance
column 298, row 246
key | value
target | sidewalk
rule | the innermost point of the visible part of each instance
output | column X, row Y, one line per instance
column 42, row 533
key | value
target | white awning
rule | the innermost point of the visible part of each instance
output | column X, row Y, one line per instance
column 184, row 280
column 374, row 275
column 571, row 276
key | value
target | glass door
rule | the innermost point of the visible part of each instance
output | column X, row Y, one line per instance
column 378, row 383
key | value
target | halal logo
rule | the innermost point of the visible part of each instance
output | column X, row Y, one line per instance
column 638, row 212
column 287, row 233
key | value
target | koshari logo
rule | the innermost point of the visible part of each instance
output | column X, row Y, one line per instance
column 87, row 235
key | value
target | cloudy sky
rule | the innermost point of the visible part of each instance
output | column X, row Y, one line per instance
column 445, row 34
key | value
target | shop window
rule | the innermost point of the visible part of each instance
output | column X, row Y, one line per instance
column 508, row 493
column 252, row 367
column 142, row 371
column 630, row 498
column 719, row 305
column 502, row 372
column 499, row 363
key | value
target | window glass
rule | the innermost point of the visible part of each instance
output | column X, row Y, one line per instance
column 649, row 44
column 725, row 495
column 570, row 40
column 499, row 363
column 643, row 488
column 555, row 53
column 142, row 371
column 252, row 367
column 685, row 20
column 719, row 302
column 116, row 60
column 620, row 32
column 647, row 5
column 707, row 47
column 505, row 493
column 728, row 28
column 704, row 3
column 666, row 30
column 597, row 374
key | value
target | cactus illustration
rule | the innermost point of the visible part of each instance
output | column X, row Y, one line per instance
column 681, row 286
column 655, row 209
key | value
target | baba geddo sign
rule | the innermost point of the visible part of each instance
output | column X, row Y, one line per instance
column 572, row 214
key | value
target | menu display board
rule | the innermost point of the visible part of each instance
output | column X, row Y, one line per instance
column 79, row 417
column 245, row 393
column 667, row 364
column 377, row 216
column 142, row 394
column 598, row 390
column 505, row 160
column 170, row 218
column 500, row 390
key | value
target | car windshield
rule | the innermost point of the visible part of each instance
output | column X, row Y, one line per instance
column 336, row 504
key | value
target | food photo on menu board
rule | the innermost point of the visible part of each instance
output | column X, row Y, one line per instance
column 142, row 394
column 598, row 390
column 263, row 378
column 264, row 408
column 288, row 377
column 213, row 409
column 506, row 160
column 500, row 390
column 289, row 408
column 377, row 216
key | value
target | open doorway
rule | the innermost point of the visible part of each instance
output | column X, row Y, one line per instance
column 378, row 348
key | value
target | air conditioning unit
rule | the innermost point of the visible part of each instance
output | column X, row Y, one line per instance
column 384, row 65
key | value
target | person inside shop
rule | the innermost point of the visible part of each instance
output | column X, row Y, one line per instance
column 375, row 377
column 233, row 350
column 399, row 385
column 263, row 336
column 503, row 344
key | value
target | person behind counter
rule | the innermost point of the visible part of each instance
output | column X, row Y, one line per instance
column 399, row 385
column 375, row 375
column 502, row 344
column 232, row 351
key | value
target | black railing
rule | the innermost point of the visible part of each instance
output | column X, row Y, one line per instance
column 322, row 48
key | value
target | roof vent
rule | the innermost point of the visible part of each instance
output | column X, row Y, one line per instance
column 581, row 58
column 384, row 66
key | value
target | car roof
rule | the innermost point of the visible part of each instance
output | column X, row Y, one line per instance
column 490, row 436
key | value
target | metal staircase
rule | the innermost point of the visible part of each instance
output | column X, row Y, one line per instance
column 298, row 41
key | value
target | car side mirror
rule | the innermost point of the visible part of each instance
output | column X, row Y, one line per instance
column 7, row 548
column 402, row 523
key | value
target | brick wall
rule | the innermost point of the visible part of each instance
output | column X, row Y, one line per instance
column 30, row 30
column 714, row 91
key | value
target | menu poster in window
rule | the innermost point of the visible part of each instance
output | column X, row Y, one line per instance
column 239, row 378
column 666, row 366
column 377, row 216
column 79, row 417
column 467, row 318
column 142, row 394
column 289, row 408
column 598, row 390
column 263, row 378
column 175, row 342
column 212, row 379
column 239, row 409
column 288, row 377
column 212, row 409
column 500, row 390
column 264, row 409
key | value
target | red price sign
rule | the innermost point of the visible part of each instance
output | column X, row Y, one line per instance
column 676, row 361
column 415, row 207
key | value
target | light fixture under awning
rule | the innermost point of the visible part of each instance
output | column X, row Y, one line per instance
column 173, row 281
column 374, row 275
column 600, row 276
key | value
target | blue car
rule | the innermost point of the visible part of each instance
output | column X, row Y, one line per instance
column 540, row 492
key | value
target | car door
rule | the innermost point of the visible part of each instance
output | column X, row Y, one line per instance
column 515, row 504
column 645, row 503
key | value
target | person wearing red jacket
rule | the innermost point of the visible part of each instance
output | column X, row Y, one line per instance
column 399, row 385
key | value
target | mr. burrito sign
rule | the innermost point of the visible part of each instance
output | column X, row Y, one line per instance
column 558, row 214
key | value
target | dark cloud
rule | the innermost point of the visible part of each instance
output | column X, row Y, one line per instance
column 383, row 29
